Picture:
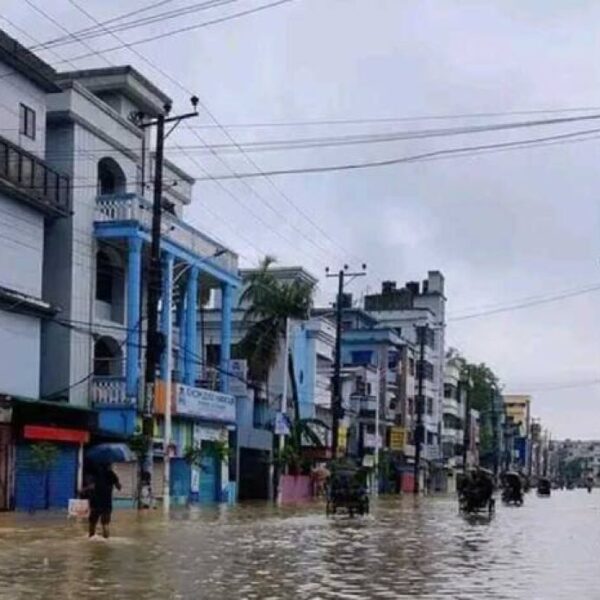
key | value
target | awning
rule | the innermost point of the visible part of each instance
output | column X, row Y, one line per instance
column 27, row 411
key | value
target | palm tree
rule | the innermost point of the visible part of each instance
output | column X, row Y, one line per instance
column 271, row 304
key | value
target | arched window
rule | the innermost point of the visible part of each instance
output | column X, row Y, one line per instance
column 108, row 357
column 110, row 284
column 111, row 179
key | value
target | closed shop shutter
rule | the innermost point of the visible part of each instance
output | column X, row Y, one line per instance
column 158, row 478
column 209, row 479
column 180, row 478
column 128, row 476
column 38, row 490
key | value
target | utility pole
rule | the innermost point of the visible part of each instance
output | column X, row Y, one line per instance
column 421, row 332
column 337, row 411
column 154, row 339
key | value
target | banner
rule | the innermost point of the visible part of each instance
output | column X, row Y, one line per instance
column 282, row 424
column 397, row 438
column 198, row 402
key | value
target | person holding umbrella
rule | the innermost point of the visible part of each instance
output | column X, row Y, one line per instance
column 104, row 480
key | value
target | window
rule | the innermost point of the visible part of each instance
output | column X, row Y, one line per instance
column 450, row 391
column 428, row 370
column 104, row 277
column 27, row 121
column 429, row 406
column 430, row 438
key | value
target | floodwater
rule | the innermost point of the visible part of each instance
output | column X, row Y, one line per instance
column 407, row 548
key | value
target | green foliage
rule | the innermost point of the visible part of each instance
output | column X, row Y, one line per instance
column 573, row 469
column 218, row 450
column 43, row 456
column 139, row 444
column 271, row 303
column 302, row 434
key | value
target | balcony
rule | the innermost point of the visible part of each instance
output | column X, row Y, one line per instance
column 364, row 406
column 128, row 208
column 28, row 177
column 109, row 391
column 451, row 407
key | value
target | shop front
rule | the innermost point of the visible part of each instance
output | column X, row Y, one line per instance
column 202, row 454
column 45, row 462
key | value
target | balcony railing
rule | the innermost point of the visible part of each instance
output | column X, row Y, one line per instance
column 131, row 207
column 43, row 187
column 109, row 391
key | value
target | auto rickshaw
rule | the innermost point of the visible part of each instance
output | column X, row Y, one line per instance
column 347, row 489
column 544, row 486
column 512, row 488
column 476, row 492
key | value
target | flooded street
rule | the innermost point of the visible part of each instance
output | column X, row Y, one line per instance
column 406, row 548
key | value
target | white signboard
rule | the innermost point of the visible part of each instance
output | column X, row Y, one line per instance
column 198, row 402
column 210, row 434
column 238, row 377
column 195, row 480
column 282, row 424
column 370, row 441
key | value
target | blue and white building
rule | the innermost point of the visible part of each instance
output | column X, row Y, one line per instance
column 98, row 274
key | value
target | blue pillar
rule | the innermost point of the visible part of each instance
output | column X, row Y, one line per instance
column 226, row 301
column 167, row 306
column 181, row 320
column 191, row 333
column 134, row 275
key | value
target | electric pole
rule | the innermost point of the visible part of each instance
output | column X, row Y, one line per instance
column 154, row 339
column 493, row 399
column 337, row 410
column 422, row 333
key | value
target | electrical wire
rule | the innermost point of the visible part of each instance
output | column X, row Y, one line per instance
column 528, row 304
column 153, row 38
column 102, row 30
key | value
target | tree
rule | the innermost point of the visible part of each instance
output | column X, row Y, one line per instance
column 484, row 386
column 271, row 303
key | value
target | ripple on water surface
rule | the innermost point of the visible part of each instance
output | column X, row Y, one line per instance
column 408, row 548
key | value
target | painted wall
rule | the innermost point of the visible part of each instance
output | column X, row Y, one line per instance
column 17, row 89
column 20, row 364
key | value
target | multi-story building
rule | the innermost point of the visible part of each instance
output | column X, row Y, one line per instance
column 454, row 421
column 413, row 311
column 311, row 344
column 574, row 462
column 35, row 202
column 517, row 409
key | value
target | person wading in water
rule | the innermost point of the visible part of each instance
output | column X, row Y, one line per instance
column 100, row 494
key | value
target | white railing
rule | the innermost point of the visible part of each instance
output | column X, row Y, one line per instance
column 109, row 390
column 131, row 207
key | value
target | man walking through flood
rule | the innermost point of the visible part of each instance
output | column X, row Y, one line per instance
column 100, row 494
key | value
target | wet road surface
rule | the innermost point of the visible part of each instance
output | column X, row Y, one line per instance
column 407, row 548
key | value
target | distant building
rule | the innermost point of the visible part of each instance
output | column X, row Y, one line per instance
column 517, row 408
column 413, row 309
column 574, row 461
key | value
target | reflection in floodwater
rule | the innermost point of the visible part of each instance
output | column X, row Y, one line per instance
column 407, row 548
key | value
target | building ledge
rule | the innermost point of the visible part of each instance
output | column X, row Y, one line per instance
column 18, row 302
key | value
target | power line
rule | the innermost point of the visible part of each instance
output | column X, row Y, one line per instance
column 382, row 120
column 422, row 157
column 101, row 30
column 522, row 305
column 153, row 38
column 205, row 108
column 42, row 45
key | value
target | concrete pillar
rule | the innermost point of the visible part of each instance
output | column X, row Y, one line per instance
column 134, row 277
column 226, row 306
column 181, row 324
column 192, row 357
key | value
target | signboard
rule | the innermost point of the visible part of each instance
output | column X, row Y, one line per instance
column 195, row 480
column 55, row 434
column 5, row 414
column 210, row 434
column 282, row 424
column 397, row 438
column 370, row 441
column 342, row 438
column 198, row 402
column 238, row 377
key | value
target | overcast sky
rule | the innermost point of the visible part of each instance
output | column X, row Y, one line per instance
column 502, row 227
